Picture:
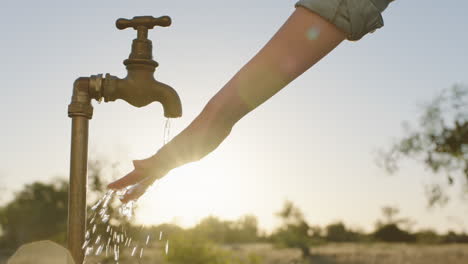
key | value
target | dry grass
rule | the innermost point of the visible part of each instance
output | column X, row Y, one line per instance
column 346, row 253
column 393, row 254
column 381, row 253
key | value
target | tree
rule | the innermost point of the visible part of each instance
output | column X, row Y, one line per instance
column 392, row 233
column 213, row 229
column 295, row 231
column 244, row 230
column 37, row 212
column 388, row 229
column 337, row 232
column 439, row 141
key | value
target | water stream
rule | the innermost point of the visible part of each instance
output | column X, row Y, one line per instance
column 107, row 235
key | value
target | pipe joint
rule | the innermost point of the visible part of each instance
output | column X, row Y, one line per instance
column 81, row 102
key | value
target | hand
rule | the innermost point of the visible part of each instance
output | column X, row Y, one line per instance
column 200, row 138
column 142, row 176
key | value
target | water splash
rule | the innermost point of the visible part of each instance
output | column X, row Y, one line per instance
column 127, row 209
column 104, row 238
column 102, row 219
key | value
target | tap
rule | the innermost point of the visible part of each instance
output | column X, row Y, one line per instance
column 139, row 87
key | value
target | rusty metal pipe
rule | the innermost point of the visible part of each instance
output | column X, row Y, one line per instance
column 80, row 110
column 77, row 188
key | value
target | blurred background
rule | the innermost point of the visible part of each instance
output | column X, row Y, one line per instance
column 367, row 147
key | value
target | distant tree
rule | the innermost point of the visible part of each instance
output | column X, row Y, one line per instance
column 37, row 212
column 190, row 247
column 439, row 141
column 295, row 231
column 243, row 230
column 389, row 229
column 428, row 236
column 337, row 232
column 40, row 210
column 452, row 237
column 389, row 214
column 213, row 229
column 392, row 233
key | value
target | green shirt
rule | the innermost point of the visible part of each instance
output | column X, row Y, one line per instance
column 355, row 17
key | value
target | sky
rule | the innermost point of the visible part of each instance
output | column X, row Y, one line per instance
column 313, row 143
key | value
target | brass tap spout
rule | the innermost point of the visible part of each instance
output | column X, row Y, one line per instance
column 140, row 88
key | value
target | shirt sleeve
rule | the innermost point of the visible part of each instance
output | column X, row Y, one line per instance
column 355, row 17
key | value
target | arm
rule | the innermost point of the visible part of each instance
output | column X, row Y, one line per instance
column 291, row 51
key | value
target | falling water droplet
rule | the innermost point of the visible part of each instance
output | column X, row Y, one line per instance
column 127, row 208
column 88, row 251
column 98, row 239
column 116, row 252
column 167, row 131
column 105, row 218
column 97, row 204
column 85, row 244
column 160, row 235
column 99, row 250
column 167, row 247
column 147, row 239
column 94, row 228
column 134, row 250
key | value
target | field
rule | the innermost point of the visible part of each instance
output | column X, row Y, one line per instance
column 367, row 254
column 343, row 253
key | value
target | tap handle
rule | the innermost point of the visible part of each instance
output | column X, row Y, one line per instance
column 143, row 22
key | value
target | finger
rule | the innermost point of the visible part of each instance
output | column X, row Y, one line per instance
column 129, row 179
column 134, row 192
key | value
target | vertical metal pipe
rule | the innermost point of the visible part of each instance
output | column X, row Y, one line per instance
column 77, row 187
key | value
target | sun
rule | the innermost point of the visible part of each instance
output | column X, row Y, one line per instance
column 186, row 195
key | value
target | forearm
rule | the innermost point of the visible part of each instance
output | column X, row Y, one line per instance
column 290, row 52
column 301, row 42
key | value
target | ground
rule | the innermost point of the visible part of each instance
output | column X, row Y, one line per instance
column 343, row 253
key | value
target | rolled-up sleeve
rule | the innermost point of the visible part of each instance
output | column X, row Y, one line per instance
column 355, row 17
